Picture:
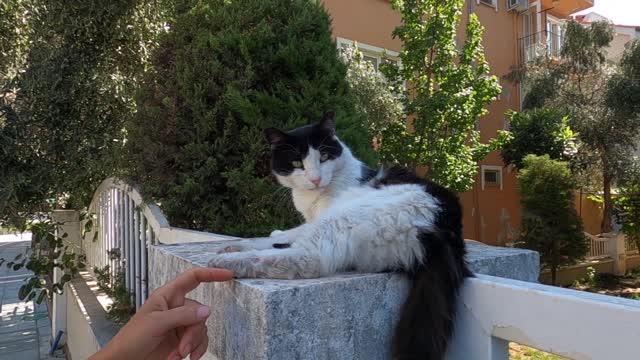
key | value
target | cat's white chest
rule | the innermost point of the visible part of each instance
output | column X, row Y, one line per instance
column 311, row 203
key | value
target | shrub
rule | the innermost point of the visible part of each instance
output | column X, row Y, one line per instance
column 550, row 224
column 539, row 132
column 373, row 95
column 225, row 71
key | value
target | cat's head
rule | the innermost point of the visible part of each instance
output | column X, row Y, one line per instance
column 307, row 157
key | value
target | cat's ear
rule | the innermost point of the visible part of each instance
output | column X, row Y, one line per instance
column 328, row 122
column 274, row 136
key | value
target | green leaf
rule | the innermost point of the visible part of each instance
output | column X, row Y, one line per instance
column 24, row 291
column 41, row 297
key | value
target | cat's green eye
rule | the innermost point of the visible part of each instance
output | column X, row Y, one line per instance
column 297, row 164
column 324, row 157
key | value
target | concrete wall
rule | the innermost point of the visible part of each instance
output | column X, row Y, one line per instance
column 345, row 316
column 88, row 329
column 569, row 275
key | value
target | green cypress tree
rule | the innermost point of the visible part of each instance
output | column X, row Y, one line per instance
column 550, row 223
column 223, row 72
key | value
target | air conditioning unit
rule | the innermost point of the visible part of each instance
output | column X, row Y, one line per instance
column 518, row 5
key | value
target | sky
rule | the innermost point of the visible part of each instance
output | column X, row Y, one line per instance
column 622, row 12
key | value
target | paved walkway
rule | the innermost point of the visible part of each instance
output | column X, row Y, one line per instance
column 24, row 327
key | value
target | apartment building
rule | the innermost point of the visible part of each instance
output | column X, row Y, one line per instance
column 514, row 30
column 624, row 34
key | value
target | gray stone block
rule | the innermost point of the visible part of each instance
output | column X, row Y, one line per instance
column 343, row 317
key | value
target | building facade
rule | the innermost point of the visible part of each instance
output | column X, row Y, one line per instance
column 514, row 29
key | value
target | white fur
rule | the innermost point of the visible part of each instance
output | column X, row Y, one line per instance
column 337, row 176
column 349, row 227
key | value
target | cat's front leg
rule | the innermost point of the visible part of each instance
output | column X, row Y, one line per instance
column 253, row 244
column 277, row 240
column 291, row 263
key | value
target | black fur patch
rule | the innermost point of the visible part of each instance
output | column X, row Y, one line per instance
column 287, row 147
column 281, row 246
column 367, row 174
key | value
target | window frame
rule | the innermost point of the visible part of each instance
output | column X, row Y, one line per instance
column 493, row 4
column 371, row 51
column 500, row 178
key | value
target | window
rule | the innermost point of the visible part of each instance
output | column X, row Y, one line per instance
column 491, row 176
column 372, row 54
column 492, row 3
column 554, row 36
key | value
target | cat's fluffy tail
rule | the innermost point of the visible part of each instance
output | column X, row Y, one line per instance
column 426, row 323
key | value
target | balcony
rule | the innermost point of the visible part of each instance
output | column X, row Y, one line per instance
column 536, row 45
column 564, row 8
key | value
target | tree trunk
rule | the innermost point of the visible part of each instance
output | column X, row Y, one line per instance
column 607, row 212
column 554, row 270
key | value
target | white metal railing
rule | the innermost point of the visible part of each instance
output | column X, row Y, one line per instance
column 598, row 247
column 124, row 226
column 574, row 324
column 123, row 229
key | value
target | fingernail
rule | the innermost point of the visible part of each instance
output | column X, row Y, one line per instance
column 175, row 356
column 202, row 312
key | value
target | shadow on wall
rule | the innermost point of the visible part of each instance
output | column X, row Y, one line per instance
column 590, row 211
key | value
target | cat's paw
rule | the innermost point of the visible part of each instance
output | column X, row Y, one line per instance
column 233, row 249
column 276, row 232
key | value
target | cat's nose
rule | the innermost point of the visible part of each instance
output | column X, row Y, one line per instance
column 316, row 181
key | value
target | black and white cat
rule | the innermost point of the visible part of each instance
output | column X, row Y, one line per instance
column 357, row 219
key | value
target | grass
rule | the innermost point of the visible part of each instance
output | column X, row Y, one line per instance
column 521, row 352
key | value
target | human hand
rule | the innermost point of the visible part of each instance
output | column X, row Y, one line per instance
column 168, row 325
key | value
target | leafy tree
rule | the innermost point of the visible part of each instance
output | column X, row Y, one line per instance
column 374, row 98
column 448, row 88
column 600, row 99
column 225, row 71
column 540, row 131
column 68, row 70
column 550, row 224
column 628, row 204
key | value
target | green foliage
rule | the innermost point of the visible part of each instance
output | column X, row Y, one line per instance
column 550, row 224
column 68, row 70
column 540, row 131
column 623, row 89
column 120, row 310
column 47, row 252
column 628, row 204
column 373, row 95
column 225, row 71
column 601, row 100
column 448, row 90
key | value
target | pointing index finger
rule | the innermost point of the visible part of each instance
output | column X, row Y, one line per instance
column 189, row 280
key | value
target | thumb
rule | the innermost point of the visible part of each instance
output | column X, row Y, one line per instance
column 186, row 315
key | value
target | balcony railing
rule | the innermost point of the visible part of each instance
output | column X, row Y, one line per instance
column 543, row 43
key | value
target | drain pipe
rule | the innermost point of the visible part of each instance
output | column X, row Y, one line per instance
column 54, row 346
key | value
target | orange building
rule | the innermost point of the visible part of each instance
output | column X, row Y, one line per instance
column 515, row 31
